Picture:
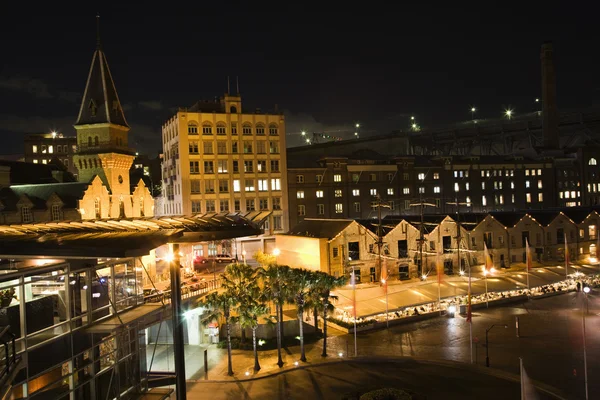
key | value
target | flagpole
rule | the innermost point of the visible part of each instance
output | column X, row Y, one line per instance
column 387, row 314
column 487, row 304
column 521, row 376
column 527, row 260
column 566, row 258
column 354, row 308
column 439, row 276
column 583, row 308
column 470, row 316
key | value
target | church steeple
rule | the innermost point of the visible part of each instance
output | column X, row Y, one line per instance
column 100, row 102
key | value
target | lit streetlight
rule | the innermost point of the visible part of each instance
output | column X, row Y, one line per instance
column 473, row 109
column 276, row 252
column 414, row 126
column 508, row 113
column 537, row 100
column 586, row 290
column 308, row 141
column 303, row 133
column 358, row 125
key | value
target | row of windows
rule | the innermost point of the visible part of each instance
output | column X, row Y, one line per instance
column 487, row 237
column 27, row 215
column 49, row 149
column 222, row 147
column 250, row 185
column 339, row 193
column 339, row 208
column 221, row 129
column 222, row 166
column 45, row 161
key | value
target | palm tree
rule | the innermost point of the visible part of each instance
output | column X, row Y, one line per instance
column 249, row 316
column 220, row 305
column 325, row 284
column 241, row 283
column 275, row 288
column 301, row 282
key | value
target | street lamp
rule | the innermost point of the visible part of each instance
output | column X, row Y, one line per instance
column 303, row 133
column 473, row 109
column 586, row 290
column 276, row 253
column 508, row 113
column 487, row 347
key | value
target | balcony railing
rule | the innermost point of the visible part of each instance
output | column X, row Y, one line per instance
column 109, row 145
column 8, row 356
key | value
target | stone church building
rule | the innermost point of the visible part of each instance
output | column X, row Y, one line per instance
column 103, row 160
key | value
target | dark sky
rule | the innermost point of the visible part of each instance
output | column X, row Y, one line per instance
column 327, row 67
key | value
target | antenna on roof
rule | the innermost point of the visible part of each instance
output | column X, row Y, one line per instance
column 237, row 84
column 98, row 31
column 228, row 90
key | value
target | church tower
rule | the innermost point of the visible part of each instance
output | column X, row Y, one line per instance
column 102, row 134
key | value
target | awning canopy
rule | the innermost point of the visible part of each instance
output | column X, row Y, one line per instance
column 119, row 238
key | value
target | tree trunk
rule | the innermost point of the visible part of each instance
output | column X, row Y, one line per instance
column 301, row 332
column 229, row 366
column 325, row 303
column 279, row 360
column 316, row 318
column 281, row 322
column 256, row 364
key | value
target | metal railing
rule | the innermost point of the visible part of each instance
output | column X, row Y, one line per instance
column 187, row 291
column 8, row 353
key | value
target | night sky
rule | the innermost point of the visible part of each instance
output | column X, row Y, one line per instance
column 326, row 68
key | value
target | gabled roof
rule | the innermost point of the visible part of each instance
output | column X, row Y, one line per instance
column 577, row 215
column 70, row 193
column 100, row 102
column 372, row 225
column 508, row 218
column 544, row 217
column 320, row 228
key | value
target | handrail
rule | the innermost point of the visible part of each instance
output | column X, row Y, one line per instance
column 9, row 360
column 187, row 291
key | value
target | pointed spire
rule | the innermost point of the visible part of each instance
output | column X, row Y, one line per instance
column 100, row 102
column 98, row 43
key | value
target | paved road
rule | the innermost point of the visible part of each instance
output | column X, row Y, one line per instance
column 349, row 380
column 371, row 299
column 550, row 341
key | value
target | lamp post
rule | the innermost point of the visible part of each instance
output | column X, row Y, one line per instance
column 508, row 114
column 586, row 290
column 473, row 109
column 487, row 347
column 178, row 322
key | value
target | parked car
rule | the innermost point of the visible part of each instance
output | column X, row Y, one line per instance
column 219, row 258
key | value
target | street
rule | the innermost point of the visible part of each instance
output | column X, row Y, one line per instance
column 550, row 344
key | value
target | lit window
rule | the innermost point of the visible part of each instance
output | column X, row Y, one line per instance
column 436, row 189
column 276, row 184
column 436, row 175
column 483, row 201
column 373, row 192
column 456, row 187
column 34, row 148
column 501, row 199
column 406, row 190
column 35, row 160
column 421, row 176
column 512, row 198
column 263, row 185
column 249, row 186
column 526, row 172
column 390, row 191
column 337, row 178
column 421, row 189
column 540, row 197
column 539, row 184
column 338, row 193
column 482, row 185
column 528, row 197
column 50, row 149
column 456, row 174
column 526, row 184
column 512, row 184
column 592, row 161
column 300, row 194
column 355, row 192
column 467, row 186
column 468, row 201
column 339, row 208
column 44, row 161
column 236, row 185
column 539, row 172
column 319, row 193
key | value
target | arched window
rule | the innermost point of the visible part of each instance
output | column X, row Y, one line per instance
column 96, row 141
column 89, row 141
column 121, row 208
column 206, row 129
column 592, row 161
column 273, row 131
column 233, row 109
column 260, row 129
column 221, row 128
column 193, row 128
column 97, row 209
column 247, row 129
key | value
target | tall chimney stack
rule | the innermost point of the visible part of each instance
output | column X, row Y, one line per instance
column 549, row 107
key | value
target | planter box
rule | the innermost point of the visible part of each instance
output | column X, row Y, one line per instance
column 499, row 302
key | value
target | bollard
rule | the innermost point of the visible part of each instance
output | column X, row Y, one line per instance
column 517, row 325
column 206, row 364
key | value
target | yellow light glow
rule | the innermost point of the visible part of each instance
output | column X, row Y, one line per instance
column 276, row 252
column 383, row 281
column 169, row 257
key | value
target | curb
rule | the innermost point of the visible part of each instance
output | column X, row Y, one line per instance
column 550, row 390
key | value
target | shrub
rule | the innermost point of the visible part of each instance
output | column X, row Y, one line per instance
column 386, row 394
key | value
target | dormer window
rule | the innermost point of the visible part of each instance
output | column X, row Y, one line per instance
column 56, row 212
column 26, row 216
column 93, row 108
